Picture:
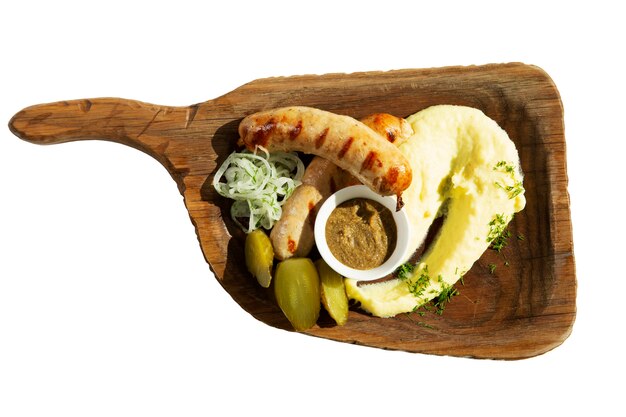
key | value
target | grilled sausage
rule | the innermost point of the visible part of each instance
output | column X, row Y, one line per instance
column 293, row 234
column 395, row 129
column 342, row 140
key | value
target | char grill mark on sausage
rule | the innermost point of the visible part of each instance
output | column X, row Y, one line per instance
column 392, row 175
column 345, row 147
column 295, row 130
column 390, row 178
column 319, row 142
column 291, row 245
column 261, row 135
column 370, row 160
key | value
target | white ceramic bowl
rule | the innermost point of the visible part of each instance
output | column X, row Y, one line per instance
column 402, row 224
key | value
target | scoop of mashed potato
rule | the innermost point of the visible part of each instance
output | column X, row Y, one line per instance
column 466, row 169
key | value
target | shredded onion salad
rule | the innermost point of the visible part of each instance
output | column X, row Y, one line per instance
column 259, row 183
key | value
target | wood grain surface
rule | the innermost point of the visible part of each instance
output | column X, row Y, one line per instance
column 526, row 307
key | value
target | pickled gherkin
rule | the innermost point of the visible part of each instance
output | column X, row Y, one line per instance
column 333, row 292
column 259, row 256
column 297, row 290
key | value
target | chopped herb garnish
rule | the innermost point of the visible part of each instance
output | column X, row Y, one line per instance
column 492, row 268
column 438, row 303
column 447, row 292
column 498, row 233
column 514, row 189
column 504, row 167
column 404, row 270
column 520, row 237
column 418, row 286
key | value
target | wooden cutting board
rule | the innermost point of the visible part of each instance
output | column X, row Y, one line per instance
column 523, row 308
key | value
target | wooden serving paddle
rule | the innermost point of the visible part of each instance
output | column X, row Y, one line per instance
column 525, row 307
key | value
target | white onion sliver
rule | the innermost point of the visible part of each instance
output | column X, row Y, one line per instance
column 255, row 182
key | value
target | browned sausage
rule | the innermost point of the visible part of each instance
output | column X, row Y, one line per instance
column 342, row 140
column 395, row 129
column 292, row 235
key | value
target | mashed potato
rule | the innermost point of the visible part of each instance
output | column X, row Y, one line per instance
column 466, row 169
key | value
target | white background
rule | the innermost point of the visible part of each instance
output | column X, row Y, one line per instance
column 107, row 306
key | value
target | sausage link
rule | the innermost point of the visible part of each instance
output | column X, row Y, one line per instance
column 342, row 140
column 395, row 129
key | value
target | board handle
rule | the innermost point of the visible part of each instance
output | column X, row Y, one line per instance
column 134, row 123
